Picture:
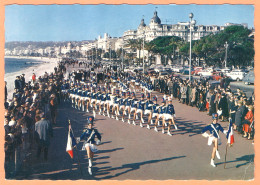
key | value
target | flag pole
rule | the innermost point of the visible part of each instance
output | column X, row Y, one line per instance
column 226, row 156
column 77, row 153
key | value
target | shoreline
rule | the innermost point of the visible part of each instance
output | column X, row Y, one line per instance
column 39, row 69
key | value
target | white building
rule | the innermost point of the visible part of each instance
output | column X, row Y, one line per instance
column 156, row 29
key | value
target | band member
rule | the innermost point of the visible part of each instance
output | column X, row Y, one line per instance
column 155, row 114
column 111, row 103
column 162, row 109
column 98, row 101
column 115, row 108
column 128, row 105
column 168, row 116
column 103, row 101
column 89, row 135
column 140, row 109
column 88, row 98
column 93, row 101
column 133, row 108
column 122, row 104
column 148, row 110
column 108, row 99
column 213, row 137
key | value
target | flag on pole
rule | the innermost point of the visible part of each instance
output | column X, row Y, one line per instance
column 230, row 134
column 71, row 143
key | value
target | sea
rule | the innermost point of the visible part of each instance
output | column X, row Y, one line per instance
column 17, row 64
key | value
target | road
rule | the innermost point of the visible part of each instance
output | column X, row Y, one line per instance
column 131, row 152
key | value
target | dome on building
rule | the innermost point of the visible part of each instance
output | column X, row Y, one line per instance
column 142, row 24
column 155, row 18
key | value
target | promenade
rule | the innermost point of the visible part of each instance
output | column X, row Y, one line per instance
column 130, row 152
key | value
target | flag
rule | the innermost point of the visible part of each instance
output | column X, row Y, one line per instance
column 71, row 143
column 230, row 134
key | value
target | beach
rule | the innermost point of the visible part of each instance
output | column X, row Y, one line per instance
column 47, row 65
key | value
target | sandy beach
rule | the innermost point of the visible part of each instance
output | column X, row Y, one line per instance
column 47, row 65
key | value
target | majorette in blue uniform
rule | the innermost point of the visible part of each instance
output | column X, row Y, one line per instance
column 89, row 137
column 140, row 109
column 213, row 137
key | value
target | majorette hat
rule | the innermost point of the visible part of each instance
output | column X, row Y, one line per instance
column 142, row 95
column 117, row 91
column 133, row 94
column 214, row 116
column 90, row 120
column 128, row 93
column 123, row 93
column 169, row 98
column 148, row 95
column 154, row 98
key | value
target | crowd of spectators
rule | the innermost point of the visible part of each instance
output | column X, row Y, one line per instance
column 31, row 104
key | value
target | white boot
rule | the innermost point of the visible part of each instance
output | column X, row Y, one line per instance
column 148, row 127
column 163, row 131
column 151, row 122
column 176, row 128
column 134, row 123
column 155, row 129
column 212, row 163
column 129, row 122
column 141, row 125
column 169, row 133
column 123, row 120
column 89, row 170
column 116, row 118
column 142, row 120
column 217, row 154
column 94, row 114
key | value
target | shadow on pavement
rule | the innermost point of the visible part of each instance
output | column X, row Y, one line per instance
column 127, row 168
column 247, row 159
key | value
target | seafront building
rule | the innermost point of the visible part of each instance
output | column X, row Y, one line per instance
column 154, row 29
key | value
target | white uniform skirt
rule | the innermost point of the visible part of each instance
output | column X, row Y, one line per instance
column 93, row 147
column 168, row 116
column 147, row 112
column 139, row 110
column 155, row 115
column 132, row 109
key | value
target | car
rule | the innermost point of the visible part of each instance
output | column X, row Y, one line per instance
column 217, row 76
column 236, row 74
column 164, row 73
column 249, row 78
column 206, row 72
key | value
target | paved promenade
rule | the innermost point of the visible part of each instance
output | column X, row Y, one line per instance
column 132, row 152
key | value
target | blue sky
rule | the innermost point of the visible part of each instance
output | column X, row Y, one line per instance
column 86, row 22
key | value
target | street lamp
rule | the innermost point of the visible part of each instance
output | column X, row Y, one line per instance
column 192, row 22
column 226, row 46
column 122, row 59
column 143, row 52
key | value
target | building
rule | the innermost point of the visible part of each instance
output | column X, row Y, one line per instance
column 156, row 29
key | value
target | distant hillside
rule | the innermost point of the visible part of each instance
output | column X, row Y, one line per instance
column 18, row 44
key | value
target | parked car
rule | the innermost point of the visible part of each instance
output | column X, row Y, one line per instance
column 236, row 75
column 205, row 72
column 249, row 78
column 217, row 76
column 164, row 73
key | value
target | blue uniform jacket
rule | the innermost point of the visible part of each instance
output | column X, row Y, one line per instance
column 170, row 109
column 209, row 128
column 147, row 105
column 87, row 133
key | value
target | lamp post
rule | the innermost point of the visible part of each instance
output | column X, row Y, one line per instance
column 226, row 46
column 143, row 52
column 192, row 22
column 122, row 59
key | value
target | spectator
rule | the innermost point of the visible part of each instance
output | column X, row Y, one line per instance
column 247, row 123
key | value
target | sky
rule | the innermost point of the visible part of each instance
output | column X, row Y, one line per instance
column 87, row 22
